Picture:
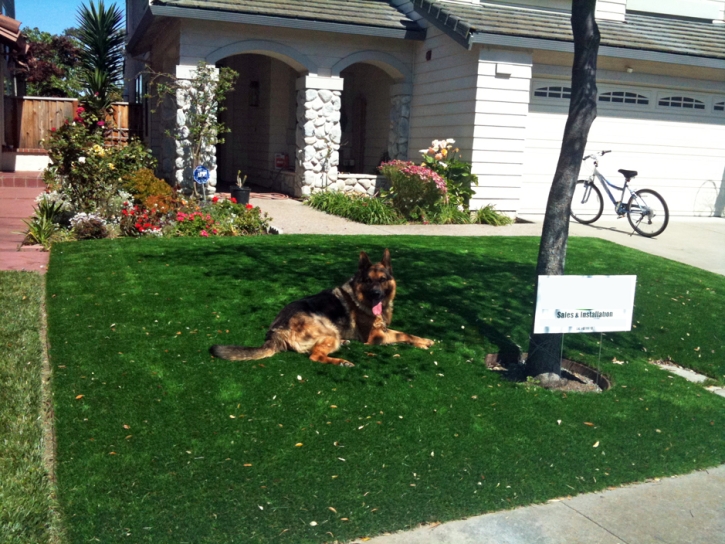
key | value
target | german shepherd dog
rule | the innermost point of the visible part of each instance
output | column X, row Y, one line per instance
column 360, row 309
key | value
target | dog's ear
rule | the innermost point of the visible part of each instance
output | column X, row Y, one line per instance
column 386, row 260
column 364, row 261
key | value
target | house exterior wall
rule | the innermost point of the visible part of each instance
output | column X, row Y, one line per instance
column 444, row 94
column 502, row 104
column 163, row 58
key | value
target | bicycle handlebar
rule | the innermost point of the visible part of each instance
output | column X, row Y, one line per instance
column 595, row 155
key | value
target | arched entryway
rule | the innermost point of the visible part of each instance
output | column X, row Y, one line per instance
column 365, row 118
column 261, row 115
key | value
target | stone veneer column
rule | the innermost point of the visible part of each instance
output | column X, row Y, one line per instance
column 318, row 134
column 400, row 96
column 182, row 168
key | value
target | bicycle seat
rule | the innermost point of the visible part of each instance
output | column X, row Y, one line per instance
column 628, row 174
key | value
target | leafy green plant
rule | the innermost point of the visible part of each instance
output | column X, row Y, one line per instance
column 356, row 207
column 414, row 190
column 488, row 215
column 449, row 214
column 232, row 219
column 443, row 159
column 101, row 36
column 42, row 225
column 194, row 223
column 87, row 172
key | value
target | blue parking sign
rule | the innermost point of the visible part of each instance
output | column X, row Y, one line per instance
column 201, row 175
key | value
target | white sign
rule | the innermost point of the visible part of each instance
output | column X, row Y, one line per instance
column 566, row 304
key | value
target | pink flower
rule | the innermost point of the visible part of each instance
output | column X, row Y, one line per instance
column 52, row 129
column 101, row 123
column 80, row 109
column 204, row 233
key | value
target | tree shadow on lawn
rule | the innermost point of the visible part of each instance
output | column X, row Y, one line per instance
column 456, row 294
column 444, row 294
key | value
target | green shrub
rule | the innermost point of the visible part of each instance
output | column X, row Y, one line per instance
column 443, row 159
column 449, row 214
column 42, row 225
column 143, row 184
column 87, row 172
column 356, row 207
column 232, row 219
column 415, row 191
column 489, row 216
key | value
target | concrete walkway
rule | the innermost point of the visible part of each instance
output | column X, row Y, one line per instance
column 698, row 242
column 16, row 204
column 681, row 510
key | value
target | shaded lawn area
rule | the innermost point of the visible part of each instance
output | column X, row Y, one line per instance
column 158, row 442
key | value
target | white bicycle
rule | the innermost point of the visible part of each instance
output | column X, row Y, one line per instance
column 645, row 209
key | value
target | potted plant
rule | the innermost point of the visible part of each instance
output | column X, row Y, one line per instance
column 240, row 193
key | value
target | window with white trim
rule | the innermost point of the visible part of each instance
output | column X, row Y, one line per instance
column 624, row 97
column 553, row 92
column 684, row 102
column 719, row 106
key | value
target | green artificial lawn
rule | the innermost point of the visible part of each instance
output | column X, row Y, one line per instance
column 158, row 442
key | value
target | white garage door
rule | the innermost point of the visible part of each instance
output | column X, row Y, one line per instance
column 674, row 139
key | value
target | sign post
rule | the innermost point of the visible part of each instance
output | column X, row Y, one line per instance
column 574, row 304
column 201, row 176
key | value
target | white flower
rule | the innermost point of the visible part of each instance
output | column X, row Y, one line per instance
column 450, row 141
column 81, row 160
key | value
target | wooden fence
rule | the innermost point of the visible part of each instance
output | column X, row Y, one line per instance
column 30, row 120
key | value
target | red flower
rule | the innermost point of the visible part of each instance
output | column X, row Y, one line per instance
column 52, row 129
column 234, row 200
column 80, row 109
column 249, row 206
column 215, row 199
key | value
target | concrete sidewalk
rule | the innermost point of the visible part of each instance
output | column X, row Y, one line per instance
column 681, row 510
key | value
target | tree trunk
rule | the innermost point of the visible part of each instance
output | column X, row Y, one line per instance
column 544, row 359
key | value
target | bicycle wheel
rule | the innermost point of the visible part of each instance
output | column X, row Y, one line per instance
column 647, row 212
column 587, row 204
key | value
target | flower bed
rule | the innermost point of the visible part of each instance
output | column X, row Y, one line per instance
column 100, row 191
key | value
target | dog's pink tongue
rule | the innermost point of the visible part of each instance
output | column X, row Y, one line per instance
column 378, row 308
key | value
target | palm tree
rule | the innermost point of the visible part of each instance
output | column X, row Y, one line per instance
column 101, row 35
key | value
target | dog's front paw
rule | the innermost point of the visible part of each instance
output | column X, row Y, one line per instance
column 423, row 343
column 346, row 363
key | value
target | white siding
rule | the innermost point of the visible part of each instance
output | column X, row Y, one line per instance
column 501, row 108
column 444, row 95
column 611, row 10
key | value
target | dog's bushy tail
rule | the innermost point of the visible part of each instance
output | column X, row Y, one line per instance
column 241, row 353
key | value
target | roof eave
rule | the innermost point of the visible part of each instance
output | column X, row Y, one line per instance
column 604, row 50
column 457, row 29
column 283, row 22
